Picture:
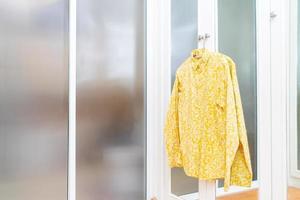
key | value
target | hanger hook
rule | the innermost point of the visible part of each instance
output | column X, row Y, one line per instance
column 204, row 38
column 201, row 37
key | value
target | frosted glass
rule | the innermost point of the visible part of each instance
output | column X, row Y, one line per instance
column 110, row 100
column 34, row 99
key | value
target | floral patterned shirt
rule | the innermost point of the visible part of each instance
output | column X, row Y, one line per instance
column 205, row 132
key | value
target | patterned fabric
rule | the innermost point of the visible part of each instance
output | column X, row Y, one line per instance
column 205, row 131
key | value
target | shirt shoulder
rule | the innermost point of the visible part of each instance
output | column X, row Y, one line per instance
column 225, row 61
column 222, row 58
column 184, row 68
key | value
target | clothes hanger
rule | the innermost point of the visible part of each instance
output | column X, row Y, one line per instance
column 204, row 38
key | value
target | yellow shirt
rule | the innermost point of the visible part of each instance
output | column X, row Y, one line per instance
column 205, row 130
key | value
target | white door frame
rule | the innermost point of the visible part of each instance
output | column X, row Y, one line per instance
column 72, row 101
column 271, row 81
column 158, row 91
column 279, row 66
column 264, row 147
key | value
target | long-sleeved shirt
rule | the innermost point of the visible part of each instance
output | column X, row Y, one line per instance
column 205, row 131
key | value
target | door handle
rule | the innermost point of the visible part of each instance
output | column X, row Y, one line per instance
column 273, row 14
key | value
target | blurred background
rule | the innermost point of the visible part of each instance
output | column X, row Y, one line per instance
column 110, row 100
column 34, row 99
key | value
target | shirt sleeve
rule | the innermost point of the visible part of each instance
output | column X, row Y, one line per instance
column 238, row 166
column 171, row 130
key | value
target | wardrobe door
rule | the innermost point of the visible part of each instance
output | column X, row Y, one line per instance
column 110, row 100
column 237, row 39
column 33, row 99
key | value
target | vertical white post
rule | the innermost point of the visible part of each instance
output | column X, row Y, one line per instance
column 264, row 119
column 207, row 190
column 72, row 102
column 208, row 24
column 158, row 92
column 278, row 104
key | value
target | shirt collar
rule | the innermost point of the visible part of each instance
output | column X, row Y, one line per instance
column 200, row 58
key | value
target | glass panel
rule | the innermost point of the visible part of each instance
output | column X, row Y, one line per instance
column 298, row 86
column 294, row 153
column 237, row 39
column 110, row 100
column 34, row 99
column 184, row 34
